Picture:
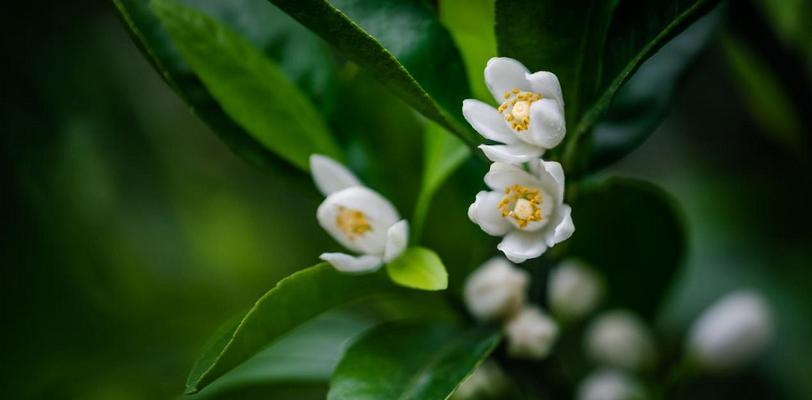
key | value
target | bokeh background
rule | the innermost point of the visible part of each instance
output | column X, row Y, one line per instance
column 130, row 232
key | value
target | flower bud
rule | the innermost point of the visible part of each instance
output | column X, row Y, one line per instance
column 731, row 331
column 619, row 339
column 487, row 382
column 574, row 290
column 495, row 290
column 531, row 334
column 609, row 384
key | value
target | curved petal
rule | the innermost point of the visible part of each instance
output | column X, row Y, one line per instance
column 397, row 238
column 503, row 74
column 377, row 212
column 352, row 264
column 487, row 121
column 520, row 246
column 546, row 84
column 547, row 127
column 502, row 175
column 330, row 176
column 512, row 153
column 564, row 229
column 551, row 174
column 485, row 213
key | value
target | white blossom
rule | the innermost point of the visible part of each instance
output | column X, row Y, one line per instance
column 527, row 208
column 531, row 334
column 359, row 218
column 620, row 339
column 495, row 290
column 574, row 290
column 530, row 117
column 732, row 331
column 610, row 384
column 487, row 381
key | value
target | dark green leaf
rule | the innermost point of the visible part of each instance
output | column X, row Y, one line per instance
column 632, row 232
column 418, row 268
column 469, row 22
column 410, row 361
column 402, row 44
column 252, row 90
column 292, row 302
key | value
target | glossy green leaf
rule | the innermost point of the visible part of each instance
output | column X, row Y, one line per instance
column 418, row 268
column 292, row 302
column 401, row 43
column 632, row 232
column 252, row 90
column 469, row 22
column 442, row 154
column 410, row 361
column 267, row 28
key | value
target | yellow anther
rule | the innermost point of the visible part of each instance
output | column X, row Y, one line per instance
column 521, row 203
column 352, row 222
column 516, row 108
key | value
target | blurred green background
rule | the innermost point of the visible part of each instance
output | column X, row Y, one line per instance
column 130, row 232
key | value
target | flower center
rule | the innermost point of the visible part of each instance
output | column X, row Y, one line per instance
column 516, row 108
column 521, row 203
column 352, row 222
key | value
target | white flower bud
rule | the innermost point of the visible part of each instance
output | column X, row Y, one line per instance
column 574, row 290
column 619, row 339
column 495, row 290
column 609, row 384
column 731, row 331
column 531, row 334
column 487, row 381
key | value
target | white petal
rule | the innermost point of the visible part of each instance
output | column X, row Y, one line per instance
column 502, row 175
column 546, row 84
column 487, row 121
column 511, row 153
column 520, row 246
column 503, row 74
column 351, row 264
column 330, row 176
column 547, row 127
column 397, row 238
column 565, row 228
column 551, row 174
column 485, row 213
column 495, row 290
column 378, row 212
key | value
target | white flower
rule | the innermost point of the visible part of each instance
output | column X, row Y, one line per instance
column 732, row 331
column 495, row 290
column 359, row 218
column 525, row 207
column 530, row 118
column 609, row 384
column 487, row 381
column 574, row 290
column 531, row 334
column 619, row 339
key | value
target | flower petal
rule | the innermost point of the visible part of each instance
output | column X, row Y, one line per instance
column 547, row 126
column 502, row 175
column 330, row 176
column 546, row 84
column 397, row 238
column 520, row 246
column 485, row 213
column 551, row 174
column 487, row 121
column 377, row 211
column 503, row 74
column 352, row 264
column 564, row 228
column 511, row 153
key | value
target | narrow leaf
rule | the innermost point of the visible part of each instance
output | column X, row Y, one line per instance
column 418, row 268
column 468, row 21
column 410, row 361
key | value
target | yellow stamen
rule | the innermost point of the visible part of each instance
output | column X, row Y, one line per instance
column 516, row 108
column 521, row 203
column 352, row 222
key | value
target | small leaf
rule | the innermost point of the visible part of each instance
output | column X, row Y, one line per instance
column 632, row 232
column 292, row 302
column 251, row 89
column 401, row 43
column 410, row 361
column 418, row 268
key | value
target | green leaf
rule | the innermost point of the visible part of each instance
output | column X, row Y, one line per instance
column 292, row 302
column 442, row 154
column 410, row 361
column 401, row 43
column 418, row 268
column 632, row 232
column 252, row 90
column 469, row 22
